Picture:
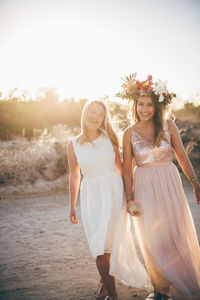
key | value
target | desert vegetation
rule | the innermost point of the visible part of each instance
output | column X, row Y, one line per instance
column 34, row 135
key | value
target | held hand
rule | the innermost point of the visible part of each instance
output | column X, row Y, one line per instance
column 132, row 208
column 72, row 216
column 197, row 194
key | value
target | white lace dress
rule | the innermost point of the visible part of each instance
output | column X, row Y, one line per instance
column 103, row 211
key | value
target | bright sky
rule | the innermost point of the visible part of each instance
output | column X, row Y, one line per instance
column 84, row 47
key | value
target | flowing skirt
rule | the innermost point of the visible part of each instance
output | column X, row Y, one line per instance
column 107, row 227
column 165, row 230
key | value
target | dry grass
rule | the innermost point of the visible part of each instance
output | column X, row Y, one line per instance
column 42, row 158
column 190, row 134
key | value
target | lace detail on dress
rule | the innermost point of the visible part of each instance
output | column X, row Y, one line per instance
column 145, row 153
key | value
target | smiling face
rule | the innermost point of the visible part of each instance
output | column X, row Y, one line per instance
column 95, row 116
column 145, row 108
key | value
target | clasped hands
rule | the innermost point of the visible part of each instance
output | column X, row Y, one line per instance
column 132, row 208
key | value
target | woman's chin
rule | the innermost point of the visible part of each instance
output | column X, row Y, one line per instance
column 145, row 119
column 93, row 126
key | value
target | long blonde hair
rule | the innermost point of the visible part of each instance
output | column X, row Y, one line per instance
column 106, row 127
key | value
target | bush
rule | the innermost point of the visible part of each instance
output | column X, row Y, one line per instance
column 44, row 157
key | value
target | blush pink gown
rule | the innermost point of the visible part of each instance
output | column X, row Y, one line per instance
column 165, row 229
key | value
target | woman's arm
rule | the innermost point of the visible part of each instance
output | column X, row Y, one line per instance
column 183, row 158
column 128, row 171
column 74, row 181
column 118, row 160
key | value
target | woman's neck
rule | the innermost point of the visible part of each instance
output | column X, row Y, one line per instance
column 93, row 134
column 146, row 123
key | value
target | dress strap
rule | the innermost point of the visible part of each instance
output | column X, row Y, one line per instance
column 134, row 136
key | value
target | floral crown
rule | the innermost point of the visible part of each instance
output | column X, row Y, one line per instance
column 133, row 89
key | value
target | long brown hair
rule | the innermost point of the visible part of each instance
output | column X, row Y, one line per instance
column 106, row 127
column 158, row 118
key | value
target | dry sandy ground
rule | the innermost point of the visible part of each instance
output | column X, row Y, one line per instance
column 43, row 256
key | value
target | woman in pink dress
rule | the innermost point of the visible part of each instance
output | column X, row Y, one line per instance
column 155, row 195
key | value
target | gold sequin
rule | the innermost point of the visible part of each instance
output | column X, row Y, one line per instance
column 144, row 152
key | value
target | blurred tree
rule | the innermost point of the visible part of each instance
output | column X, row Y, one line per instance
column 47, row 95
column 20, row 114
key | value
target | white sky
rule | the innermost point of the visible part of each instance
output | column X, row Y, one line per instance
column 84, row 47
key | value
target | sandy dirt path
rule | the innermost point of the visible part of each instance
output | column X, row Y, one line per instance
column 43, row 256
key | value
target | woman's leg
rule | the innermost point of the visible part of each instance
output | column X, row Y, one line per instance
column 103, row 265
column 101, row 292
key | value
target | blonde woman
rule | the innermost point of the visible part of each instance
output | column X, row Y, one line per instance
column 95, row 152
column 155, row 195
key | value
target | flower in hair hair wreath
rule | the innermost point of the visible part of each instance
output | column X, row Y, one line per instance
column 133, row 89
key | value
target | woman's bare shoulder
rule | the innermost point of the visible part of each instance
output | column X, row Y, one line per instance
column 171, row 125
column 128, row 132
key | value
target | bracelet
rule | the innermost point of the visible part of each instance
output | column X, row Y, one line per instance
column 194, row 179
column 129, row 200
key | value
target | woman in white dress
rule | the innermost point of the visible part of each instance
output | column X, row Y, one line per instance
column 95, row 153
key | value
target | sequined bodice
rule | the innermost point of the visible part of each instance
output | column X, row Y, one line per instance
column 145, row 153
